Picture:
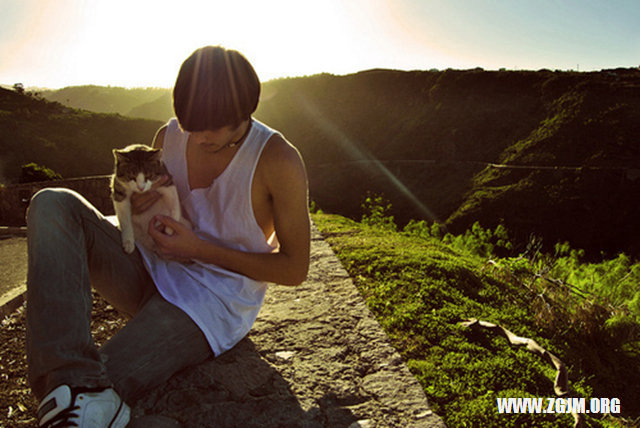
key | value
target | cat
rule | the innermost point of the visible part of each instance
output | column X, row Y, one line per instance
column 136, row 168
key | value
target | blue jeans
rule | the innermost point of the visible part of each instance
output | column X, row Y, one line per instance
column 71, row 248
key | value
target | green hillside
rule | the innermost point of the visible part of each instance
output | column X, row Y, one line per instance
column 71, row 142
column 422, row 285
column 423, row 127
column 424, row 139
column 591, row 130
column 427, row 141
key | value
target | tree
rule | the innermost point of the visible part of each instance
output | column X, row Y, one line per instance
column 33, row 172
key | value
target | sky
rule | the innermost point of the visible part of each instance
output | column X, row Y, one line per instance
column 140, row 43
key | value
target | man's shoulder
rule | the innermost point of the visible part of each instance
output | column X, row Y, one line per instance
column 279, row 152
column 280, row 162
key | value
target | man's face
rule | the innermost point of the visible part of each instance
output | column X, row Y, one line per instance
column 213, row 141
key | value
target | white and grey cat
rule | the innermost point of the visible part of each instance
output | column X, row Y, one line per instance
column 137, row 168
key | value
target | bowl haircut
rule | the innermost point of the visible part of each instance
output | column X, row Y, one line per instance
column 216, row 87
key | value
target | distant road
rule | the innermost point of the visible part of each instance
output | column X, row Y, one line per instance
column 13, row 267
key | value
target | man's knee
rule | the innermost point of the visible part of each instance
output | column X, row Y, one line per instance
column 51, row 202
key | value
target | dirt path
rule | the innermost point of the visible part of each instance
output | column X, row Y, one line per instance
column 315, row 358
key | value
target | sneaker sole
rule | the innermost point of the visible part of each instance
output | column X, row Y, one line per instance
column 121, row 419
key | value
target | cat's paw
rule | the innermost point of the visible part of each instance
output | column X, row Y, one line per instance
column 128, row 246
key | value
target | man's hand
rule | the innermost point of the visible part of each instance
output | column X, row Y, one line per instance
column 140, row 202
column 182, row 245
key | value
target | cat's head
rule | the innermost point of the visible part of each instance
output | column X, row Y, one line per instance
column 138, row 166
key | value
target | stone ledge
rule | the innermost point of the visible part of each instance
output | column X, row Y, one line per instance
column 13, row 231
column 316, row 357
column 12, row 300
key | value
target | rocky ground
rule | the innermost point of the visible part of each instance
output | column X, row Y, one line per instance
column 315, row 358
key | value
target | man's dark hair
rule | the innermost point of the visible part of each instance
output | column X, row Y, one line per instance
column 216, row 87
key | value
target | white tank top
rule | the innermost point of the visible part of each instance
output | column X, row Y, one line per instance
column 222, row 303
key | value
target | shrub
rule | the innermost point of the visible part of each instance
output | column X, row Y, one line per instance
column 482, row 242
column 422, row 229
column 33, row 172
column 314, row 208
column 376, row 212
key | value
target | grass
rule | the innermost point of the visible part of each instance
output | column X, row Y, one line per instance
column 420, row 287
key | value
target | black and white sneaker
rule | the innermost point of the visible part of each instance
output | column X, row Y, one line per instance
column 66, row 407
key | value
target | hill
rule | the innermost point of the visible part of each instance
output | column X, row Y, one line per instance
column 160, row 108
column 72, row 142
column 101, row 99
column 409, row 135
column 428, row 142
column 578, row 174
column 565, row 145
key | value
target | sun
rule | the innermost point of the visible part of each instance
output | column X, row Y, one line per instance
column 143, row 43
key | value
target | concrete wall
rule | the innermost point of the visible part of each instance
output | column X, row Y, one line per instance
column 14, row 198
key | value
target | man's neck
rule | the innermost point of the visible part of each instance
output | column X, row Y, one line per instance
column 238, row 137
column 243, row 131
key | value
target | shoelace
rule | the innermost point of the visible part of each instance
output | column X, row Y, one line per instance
column 63, row 419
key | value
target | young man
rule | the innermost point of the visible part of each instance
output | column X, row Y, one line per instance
column 244, row 189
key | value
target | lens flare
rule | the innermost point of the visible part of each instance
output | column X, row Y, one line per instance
column 363, row 156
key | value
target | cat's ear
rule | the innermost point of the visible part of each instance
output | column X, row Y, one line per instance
column 118, row 155
column 157, row 154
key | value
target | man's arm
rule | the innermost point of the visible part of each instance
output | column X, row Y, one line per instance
column 284, row 175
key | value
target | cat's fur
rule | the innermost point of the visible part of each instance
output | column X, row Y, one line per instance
column 137, row 167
